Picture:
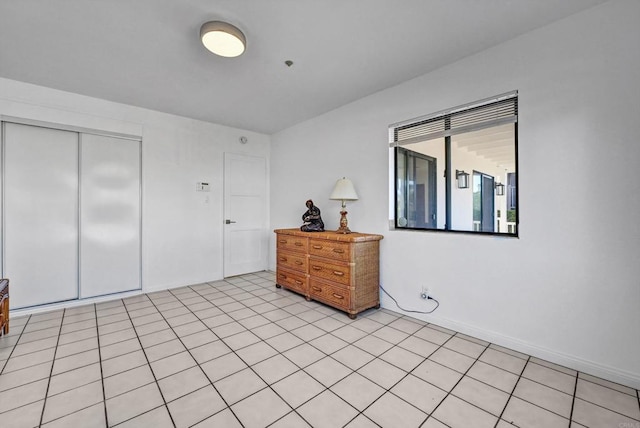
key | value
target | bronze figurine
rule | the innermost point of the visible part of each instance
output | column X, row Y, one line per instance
column 311, row 218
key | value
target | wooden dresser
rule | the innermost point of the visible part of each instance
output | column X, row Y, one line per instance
column 4, row 306
column 337, row 269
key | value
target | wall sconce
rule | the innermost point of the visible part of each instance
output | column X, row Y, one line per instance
column 463, row 179
column 499, row 189
column 344, row 191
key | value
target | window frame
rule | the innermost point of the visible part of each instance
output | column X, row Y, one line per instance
column 513, row 228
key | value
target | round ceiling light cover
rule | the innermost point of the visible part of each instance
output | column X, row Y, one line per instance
column 222, row 38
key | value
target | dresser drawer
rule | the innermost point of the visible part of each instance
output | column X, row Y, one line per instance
column 294, row 261
column 340, row 273
column 339, row 297
column 293, row 243
column 293, row 280
column 330, row 249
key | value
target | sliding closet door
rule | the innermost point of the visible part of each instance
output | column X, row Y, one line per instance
column 109, row 215
column 40, row 182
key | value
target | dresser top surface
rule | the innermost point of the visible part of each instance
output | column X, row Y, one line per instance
column 331, row 235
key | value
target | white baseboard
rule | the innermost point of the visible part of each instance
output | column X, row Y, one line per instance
column 612, row 374
column 32, row 310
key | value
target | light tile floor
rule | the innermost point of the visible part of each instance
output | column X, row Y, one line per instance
column 241, row 353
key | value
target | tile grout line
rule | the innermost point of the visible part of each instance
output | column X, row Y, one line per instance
column 305, row 342
column 53, row 362
column 605, row 386
column 573, row 399
column 456, row 384
column 440, row 346
column 13, row 348
column 104, row 395
column 250, row 365
column 387, row 324
column 299, row 369
column 279, row 353
column 148, row 364
column 191, row 355
column 578, row 378
column 54, row 346
column 302, row 369
column 388, row 390
column 512, row 391
column 69, row 390
column 600, row 406
column 407, row 373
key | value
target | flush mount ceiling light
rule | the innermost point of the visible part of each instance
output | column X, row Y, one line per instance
column 222, row 39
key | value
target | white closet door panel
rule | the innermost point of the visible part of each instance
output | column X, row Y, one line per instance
column 41, row 214
column 109, row 215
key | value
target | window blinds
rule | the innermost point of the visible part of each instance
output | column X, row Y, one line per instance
column 470, row 117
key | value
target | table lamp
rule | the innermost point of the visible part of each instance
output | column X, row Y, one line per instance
column 344, row 191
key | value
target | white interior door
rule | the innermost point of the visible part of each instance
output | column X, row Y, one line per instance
column 40, row 242
column 246, row 214
column 109, row 215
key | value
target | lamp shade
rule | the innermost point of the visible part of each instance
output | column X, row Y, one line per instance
column 344, row 191
column 222, row 39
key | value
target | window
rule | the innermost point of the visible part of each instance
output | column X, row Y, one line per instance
column 417, row 192
column 456, row 170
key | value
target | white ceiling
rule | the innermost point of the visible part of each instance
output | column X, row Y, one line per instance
column 496, row 144
column 148, row 53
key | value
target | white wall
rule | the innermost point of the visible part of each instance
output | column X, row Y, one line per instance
column 569, row 288
column 182, row 233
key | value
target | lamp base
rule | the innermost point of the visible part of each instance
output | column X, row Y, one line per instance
column 343, row 223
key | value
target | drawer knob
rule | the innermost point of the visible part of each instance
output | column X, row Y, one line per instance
column 316, row 267
column 299, row 244
column 283, row 259
column 335, row 272
column 283, row 241
column 318, row 247
column 283, row 276
column 337, row 296
column 338, row 250
column 298, row 282
column 299, row 263
column 316, row 288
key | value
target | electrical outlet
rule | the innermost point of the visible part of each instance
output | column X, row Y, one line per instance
column 425, row 293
